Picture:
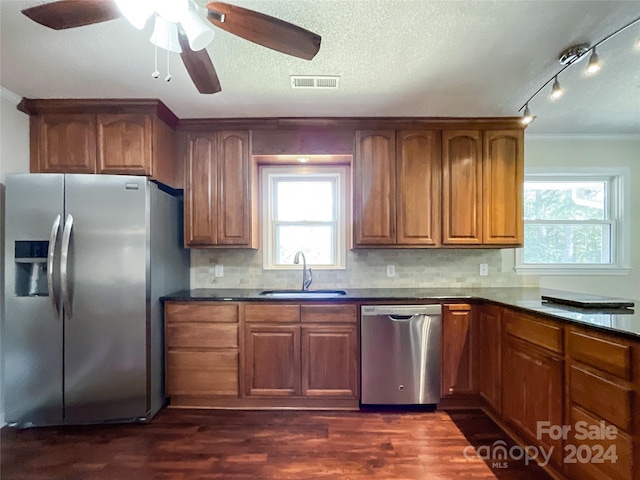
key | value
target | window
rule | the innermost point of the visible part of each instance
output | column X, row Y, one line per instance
column 574, row 223
column 304, row 208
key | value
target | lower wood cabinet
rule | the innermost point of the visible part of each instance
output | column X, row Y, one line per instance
column 603, row 389
column 532, row 392
column 272, row 360
column 201, row 352
column 311, row 354
column 262, row 355
column 456, row 378
column 488, row 355
column 329, row 360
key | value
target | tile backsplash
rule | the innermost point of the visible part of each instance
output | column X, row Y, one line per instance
column 446, row 268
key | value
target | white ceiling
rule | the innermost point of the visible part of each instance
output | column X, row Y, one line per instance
column 450, row 58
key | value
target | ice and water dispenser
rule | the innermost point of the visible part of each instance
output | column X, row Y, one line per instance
column 31, row 268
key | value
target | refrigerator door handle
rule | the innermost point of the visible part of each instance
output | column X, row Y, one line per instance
column 64, row 266
column 53, row 240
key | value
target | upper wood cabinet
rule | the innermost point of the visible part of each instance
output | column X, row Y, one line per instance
column 124, row 144
column 502, row 187
column 397, row 188
column 374, row 177
column 461, row 187
column 219, row 204
column 483, row 175
column 104, row 137
column 63, row 143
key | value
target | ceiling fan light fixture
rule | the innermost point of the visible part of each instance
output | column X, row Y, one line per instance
column 165, row 35
column 137, row 12
column 198, row 32
column 556, row 91
column 172, row 10
column 594, row 64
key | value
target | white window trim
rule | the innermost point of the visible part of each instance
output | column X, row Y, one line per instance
column 620, row 208
column 341, row 176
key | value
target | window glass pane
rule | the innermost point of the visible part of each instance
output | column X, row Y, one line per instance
column 567, row 243
column 565, row 200
column 304, row 201
column 315, row 241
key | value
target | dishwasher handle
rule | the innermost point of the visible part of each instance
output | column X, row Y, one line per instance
column 401, row 318
column 399, row 311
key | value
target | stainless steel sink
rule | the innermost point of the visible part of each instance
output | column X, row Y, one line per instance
column 303, row 293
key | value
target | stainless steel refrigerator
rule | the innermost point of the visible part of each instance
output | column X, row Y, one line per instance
column 86, row 259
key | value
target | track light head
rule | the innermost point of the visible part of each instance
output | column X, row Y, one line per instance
column 594, row 63
column 527, row 118
column 556, row 91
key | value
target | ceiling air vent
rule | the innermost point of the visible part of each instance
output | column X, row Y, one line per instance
column 308, row 81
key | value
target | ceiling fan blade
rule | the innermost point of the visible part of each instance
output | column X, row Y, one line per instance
column 264, row 30
column 199, row 66
column 73, row 13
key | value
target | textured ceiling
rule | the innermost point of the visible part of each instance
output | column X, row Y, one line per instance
column 394, row 57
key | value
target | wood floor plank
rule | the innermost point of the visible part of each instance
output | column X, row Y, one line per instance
column 229, row 445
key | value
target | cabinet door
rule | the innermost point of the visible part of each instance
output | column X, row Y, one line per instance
column 503, row 178
column 63, row 143
column 533, row 393
column 461, row 187
column 201, row 189
column 456, row 350
column 488, row 354
column 375, row 188
column 234, row 189
column 124, row 144
column 418, row 187
column 330, row 361
column 272, row 360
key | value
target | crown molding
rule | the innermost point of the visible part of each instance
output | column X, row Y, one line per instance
column 618, row 137
column 10, row 96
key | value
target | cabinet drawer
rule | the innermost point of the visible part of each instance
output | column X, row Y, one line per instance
column 611, row 357
column 606, row 399
column 202, row 373
column 329, row 313
column 264, row 312
column 202, row 335
column 600, row 468
column 201, row 312
column 534, row 331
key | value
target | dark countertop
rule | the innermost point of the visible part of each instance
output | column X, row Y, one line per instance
column 622, row 321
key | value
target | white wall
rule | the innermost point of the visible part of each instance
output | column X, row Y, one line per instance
column 576, row 152
column 14, row 158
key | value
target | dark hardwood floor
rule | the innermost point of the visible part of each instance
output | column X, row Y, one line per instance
column 209, row 444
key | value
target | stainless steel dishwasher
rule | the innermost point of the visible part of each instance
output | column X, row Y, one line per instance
column 400, row 354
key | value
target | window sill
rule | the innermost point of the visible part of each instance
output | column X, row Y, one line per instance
column 571, row 270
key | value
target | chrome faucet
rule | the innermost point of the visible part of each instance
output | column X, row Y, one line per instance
column 307, row 276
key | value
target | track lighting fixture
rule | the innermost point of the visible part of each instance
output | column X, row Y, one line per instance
column 567, row 58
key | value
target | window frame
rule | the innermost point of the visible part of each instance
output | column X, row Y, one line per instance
column 618, row 211
column 269, row 174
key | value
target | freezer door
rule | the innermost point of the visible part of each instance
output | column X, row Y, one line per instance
column 104, row 283
column 31, row 330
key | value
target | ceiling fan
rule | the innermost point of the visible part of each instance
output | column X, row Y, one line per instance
column 256, row 27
